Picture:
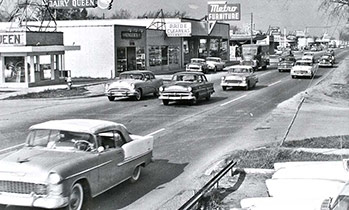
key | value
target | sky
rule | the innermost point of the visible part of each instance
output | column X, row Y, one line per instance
column 289, row 14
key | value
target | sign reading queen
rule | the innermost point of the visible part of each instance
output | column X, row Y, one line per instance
column 223, row 11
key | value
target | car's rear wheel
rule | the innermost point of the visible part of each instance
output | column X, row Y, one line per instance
column 76, row 197
column 136, row 174
column 138, row 95
column 165, row 102
column 111, row 98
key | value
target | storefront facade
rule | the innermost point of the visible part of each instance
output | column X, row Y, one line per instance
column 31, row 58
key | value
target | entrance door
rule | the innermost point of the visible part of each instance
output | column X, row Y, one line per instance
column 131, row 58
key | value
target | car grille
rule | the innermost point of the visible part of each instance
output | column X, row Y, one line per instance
column 194, row 67
column 175, row 94
column 119, row 90
column 22, row 188
column 233, row 81
column 301, row 72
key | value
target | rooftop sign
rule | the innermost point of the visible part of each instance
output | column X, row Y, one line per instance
column 68, row 4
column 221, row 11
column 12, row 39
column 178, row 29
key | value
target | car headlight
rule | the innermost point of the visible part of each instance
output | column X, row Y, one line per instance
column 161, row 88
column 106, row 86
column 132, row 85
column 223, row 79
column 189, row 89
column 54, row 178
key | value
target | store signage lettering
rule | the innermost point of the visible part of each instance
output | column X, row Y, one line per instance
column 131, row 35
column 10, row 39
column 178, row 29
column 68, row 4
column 218, row 11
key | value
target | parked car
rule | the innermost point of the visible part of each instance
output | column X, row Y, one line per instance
column 326, row 61
column 286, row 63
column 239, row 76
column 65, row 163
column 215, row 64
column 303, row 68
column 133, row 84
column 197, row 65
column 187, row 86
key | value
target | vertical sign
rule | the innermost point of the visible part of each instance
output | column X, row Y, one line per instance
column 220, row 11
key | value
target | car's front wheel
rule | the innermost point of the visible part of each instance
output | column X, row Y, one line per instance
column 224, row 88
column 76, row 198
column 165, row 102
column 138, row 95
column 111, row 98
column 136, row 174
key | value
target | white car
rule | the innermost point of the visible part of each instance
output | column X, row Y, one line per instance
column 239, row 76
column 197, row 65
column 303, row 68
column 215, row 64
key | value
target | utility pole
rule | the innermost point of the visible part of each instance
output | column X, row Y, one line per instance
column 251, row 28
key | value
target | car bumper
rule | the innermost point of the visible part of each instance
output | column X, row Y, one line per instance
column 121, row 94
column 175, row 97
column 194, row 70
column 301, row 74
column 49, row 202
column 286, row 68
column 325, row 64
column 234, row 84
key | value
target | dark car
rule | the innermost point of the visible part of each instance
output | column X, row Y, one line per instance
column 286, row 63
column 187, row 86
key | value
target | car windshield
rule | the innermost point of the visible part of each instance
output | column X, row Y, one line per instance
column 238, row 70
column 186, row 77
column 212, row 59
column 136, row 76
column 60, row 140
column 342, row 203
column 303, row 64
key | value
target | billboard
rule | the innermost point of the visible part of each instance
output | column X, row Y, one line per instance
column 12, row 39
column 221, row 11
column 72, row 4
column 178, row 29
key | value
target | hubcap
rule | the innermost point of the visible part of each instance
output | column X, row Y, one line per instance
column 76, row 198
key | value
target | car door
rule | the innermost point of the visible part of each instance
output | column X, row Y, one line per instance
column 207, row 86
column 112, row 155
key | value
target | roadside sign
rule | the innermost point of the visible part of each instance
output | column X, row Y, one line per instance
column 220, row 11
column 72, row 4
column 178, row 29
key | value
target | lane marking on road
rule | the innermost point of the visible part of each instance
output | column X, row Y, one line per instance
column 261, row 75
column 10, row 148
column 274, row 83
column 155, row 132
column 235, row 99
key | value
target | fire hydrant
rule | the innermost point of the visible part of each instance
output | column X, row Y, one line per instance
column 69, row 83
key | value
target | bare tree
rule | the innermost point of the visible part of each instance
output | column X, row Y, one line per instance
column 335, row 7
column 174, row 14
column 122, row 14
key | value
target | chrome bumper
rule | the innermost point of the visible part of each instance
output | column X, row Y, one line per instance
column 174, row 98
column 121, row 94
column 235, row 84
column 48, row 202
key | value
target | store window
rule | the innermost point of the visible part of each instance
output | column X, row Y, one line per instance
column 140, row 58
column 155, row 56
column 173, row 54
column 203, row 48
column 214, row 47
column 164, row 55
column 223, row 53
column 14, row 69
column 121, row 59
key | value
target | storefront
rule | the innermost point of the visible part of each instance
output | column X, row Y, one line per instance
column 32, row 58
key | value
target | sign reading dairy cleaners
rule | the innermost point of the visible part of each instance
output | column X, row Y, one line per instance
column 178, row 29
column 221, row 11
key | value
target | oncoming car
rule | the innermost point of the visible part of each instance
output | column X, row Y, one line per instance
column 303, row 68
column 215, row 64
column 197, row 65
column 64, row 163
column 133, row 84
column 239, row 76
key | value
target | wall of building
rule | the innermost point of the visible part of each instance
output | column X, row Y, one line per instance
column 96, row 57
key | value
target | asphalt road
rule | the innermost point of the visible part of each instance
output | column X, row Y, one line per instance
column 187, row 138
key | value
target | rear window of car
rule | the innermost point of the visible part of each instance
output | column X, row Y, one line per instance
column 131, row 76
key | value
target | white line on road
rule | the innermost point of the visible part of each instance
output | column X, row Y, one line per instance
column 274, row 83
column 155, row 132
column 235, row 99
column 10, row 148
column 265, row 73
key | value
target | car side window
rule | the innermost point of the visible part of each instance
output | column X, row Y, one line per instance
column 119, row 140
column 107, row 140
column 147, row 77
column 151, row 76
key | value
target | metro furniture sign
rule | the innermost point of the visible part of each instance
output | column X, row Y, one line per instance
column 178, row 29
column 219, row 11
column 67, row 4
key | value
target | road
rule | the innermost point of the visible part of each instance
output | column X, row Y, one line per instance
column 187, row 138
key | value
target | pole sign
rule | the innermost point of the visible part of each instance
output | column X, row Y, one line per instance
column 219, row 11
column 72, row 4
column 178, row 29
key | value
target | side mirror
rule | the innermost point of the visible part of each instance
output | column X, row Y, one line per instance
column 100, row 149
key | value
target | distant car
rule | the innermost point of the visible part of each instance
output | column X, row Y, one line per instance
column 197, row 65
column 326, row 61
column 65, row 163
column 286, row 63
column 133, row 84
column 187, row 86
column 239, row 76
column 303, row 68
column 308, row 57
column 215, row 64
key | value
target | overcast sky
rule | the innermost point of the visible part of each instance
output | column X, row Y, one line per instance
column 289, row 14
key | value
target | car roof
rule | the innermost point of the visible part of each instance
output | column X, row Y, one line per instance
column 136, row 71
column 304, row 61
column 91, row 126
column 189, row 72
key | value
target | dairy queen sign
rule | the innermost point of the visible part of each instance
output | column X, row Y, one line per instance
column 223, row 11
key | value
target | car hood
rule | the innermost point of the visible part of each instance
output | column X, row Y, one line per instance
column 286, row 62
column 125, row 83
column 34, row 163
column 179, row 86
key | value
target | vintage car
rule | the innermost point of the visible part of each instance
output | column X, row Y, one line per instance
column 197, row 65
column 326, row 61
column 186, row 86
column 239, row 76
column 286, row 63
column 308, row 57
column 215, row 64
column 133, row 84
column 303, row 68
column 65, row 163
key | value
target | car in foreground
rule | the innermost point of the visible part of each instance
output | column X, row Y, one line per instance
column 239, row 76
column 326, row 61
column 215, row 64
column 134, row 84
column 303, row 68
column 187, row 86
column 197, row 65
column 286, row 63
column 65, row 163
